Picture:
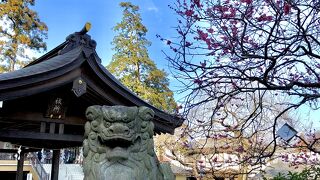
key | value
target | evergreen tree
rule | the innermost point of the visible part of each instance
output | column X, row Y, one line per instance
column 20, row 30
column 132, row 65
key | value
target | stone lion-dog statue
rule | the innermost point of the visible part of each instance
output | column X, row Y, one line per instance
column 119, row 145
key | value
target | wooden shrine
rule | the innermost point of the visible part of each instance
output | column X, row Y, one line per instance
column 44, row 103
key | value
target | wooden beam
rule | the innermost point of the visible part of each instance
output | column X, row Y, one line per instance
column 24, row 135
column 8, row 150
column 16, row 150
column 37, row 116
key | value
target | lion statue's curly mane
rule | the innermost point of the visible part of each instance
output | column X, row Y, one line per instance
column 119, row 145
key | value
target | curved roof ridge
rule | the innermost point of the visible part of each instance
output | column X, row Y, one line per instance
column 45, row 66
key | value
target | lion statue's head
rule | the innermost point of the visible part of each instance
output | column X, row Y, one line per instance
column 119, row 144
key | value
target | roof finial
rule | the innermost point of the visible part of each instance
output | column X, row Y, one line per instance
column 86, row 28
column 80, row 38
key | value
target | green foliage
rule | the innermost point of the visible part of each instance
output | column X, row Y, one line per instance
column 132, row 65
column 312, row 173
column 20, row 29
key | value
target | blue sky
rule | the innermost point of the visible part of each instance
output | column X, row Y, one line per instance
column 66, row 17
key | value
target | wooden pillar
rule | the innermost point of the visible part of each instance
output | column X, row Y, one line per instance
column 55, row 165
column 54, row 160
column 19, row 173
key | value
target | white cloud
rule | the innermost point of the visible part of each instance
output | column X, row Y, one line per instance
column 148, row 5
column 153, row 8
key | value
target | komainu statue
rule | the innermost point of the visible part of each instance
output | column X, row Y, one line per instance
column 119, row 145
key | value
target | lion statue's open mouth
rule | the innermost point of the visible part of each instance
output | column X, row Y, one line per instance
column 119, row 144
